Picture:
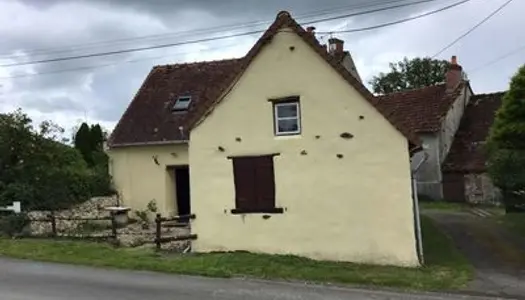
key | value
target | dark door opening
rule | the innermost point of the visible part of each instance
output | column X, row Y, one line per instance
column 182, row 186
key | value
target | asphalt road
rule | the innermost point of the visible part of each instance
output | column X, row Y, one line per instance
column 26, row 280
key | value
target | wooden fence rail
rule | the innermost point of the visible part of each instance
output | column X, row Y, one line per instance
column 52, row 219
column 159, row 239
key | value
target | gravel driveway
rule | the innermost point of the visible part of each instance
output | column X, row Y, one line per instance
column 497, row 254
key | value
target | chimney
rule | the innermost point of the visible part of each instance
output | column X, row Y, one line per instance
column 454, row 74
column 335, row 46
column 311, row 30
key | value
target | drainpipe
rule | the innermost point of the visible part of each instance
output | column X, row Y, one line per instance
column 415, row 201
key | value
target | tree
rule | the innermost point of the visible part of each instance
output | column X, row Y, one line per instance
column 506, row 144
column 410, row 74
column 83, row 143
column 38, row 170
column 97, row 138
column 89, row 140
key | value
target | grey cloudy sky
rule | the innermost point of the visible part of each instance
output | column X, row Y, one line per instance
column 41, row 29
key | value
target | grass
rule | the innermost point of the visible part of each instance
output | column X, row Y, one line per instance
column 446, row 268
column 442, row 205
column 513, row 221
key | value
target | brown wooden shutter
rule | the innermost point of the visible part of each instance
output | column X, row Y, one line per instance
column 264, row 182
column 244, row 180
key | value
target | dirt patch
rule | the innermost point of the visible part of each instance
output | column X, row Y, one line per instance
column 497, row 254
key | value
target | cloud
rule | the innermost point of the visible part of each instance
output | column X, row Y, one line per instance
column 101, row 90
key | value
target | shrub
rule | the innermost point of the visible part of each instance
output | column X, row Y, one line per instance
column 39, row 171
column 506, row 144
column 13, row 224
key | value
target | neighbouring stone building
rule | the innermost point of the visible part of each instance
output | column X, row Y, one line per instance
column 434, row 114
column 453, row 123
column 464, row 170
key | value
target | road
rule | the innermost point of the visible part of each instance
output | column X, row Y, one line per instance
column 26, row 280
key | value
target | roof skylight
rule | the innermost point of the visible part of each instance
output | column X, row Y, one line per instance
column 182, row 103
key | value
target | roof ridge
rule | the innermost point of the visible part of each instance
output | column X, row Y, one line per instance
column 412, row 90
column 490, row 93
column 200, row 62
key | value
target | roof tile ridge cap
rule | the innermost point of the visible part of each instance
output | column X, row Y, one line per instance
column 490, row 93
column 439, row 85
column 283, row 18
column 119, row 123
column 220, row 60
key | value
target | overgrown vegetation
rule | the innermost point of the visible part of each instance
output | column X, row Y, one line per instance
column 410, row 74
column 12, row 224
column 513, row 221
column 446, row 267
column 144, row 215
column 89, row 141
column 442, row 205
column 40, row 170
column 506, row 145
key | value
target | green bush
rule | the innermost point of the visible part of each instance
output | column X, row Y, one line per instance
column 13, row 224
column 506, row 145
column 37, row 170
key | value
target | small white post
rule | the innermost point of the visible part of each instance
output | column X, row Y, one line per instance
column 16, row 207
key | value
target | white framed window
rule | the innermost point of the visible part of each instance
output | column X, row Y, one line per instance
column 182, row 103
column 287, row 117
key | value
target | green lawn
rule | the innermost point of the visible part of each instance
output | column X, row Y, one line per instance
column 514, row 221
column 446, row 268
column 442, row 205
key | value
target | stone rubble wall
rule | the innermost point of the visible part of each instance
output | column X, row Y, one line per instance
column 479, row 189
column 133, row 235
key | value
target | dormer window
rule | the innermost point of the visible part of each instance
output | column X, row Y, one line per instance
column 182, row 103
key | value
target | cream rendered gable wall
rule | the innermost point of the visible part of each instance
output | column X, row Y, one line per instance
column 357, row 208
column 139, row 179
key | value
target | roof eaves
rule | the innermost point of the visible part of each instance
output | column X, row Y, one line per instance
column 158, row 143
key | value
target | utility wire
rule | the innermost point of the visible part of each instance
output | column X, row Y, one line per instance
column 116, row 63
column 473, row 28
column 497, row 59
column 398, row 21
column 242, row 34
column 200, row 30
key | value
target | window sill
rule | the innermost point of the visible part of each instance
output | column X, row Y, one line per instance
column 276, row 210
column 287, row 136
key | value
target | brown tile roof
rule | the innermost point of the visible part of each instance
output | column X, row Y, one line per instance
column 421, row 110
column 467, row 153
column 148, row 118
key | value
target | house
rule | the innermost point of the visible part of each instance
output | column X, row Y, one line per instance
column 282, row 151
column 433, row 113
column 453, row 124
column 465, row 176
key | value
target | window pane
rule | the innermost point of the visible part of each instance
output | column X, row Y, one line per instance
column 287, row 125
column 182, row 103
column 287, row 110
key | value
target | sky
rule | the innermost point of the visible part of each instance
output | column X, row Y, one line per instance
column 101, row 87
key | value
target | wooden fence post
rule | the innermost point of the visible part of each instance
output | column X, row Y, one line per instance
column 113, row 226
column 158, row 222
column 53, row 223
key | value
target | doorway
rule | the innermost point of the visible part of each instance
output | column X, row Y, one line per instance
column 182, row 190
